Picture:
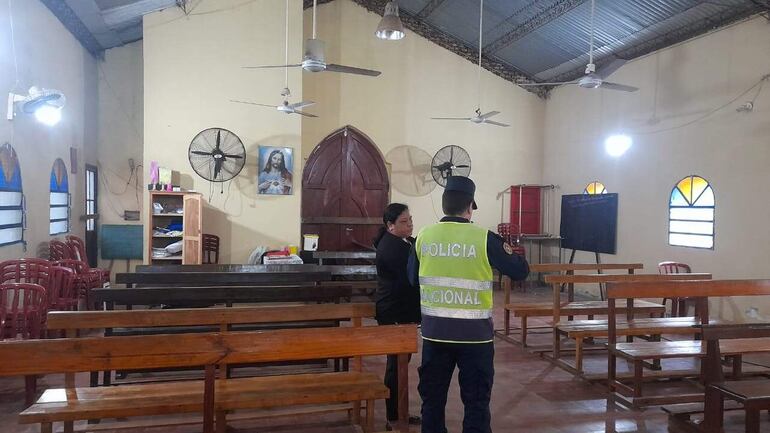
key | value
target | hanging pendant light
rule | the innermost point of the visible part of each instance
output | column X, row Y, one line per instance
column 390, row 28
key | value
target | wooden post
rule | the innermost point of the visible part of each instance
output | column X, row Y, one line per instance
column 611, row 359
column 208, row 399
column 403, row 392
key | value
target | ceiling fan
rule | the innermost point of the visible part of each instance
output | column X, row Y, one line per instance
column 478, row 118
column 593, row 79
column 314, row 59
column 285, row 107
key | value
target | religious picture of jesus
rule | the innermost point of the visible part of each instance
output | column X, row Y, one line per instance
column 275, row 170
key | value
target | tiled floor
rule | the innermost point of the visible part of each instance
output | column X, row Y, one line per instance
column 530, row 396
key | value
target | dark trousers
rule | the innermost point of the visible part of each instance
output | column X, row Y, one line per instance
column 476, row 364
column 391, row 380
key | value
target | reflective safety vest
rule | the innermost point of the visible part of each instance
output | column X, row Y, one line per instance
column 455, row 283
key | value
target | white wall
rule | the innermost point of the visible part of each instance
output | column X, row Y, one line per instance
column 192, row 68
column 121, row 131
column 729, row 149
column 420, row 80
column 46, row 55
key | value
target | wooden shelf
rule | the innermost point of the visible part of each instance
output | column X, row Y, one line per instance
column 168, row 214
column 188, row 210
column 168, row 258
column 166, row 237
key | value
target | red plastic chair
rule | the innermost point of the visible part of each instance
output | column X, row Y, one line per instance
column 58, row 250
column 23, row 307
column 678, row 305
column 84, row 279
column 78, row 248
column 62, row 291
column 35, row 271
column 210, row 249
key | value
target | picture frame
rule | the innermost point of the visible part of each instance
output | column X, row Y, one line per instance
column 276, row 170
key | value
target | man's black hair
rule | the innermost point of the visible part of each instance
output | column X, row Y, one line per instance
column 455, row 203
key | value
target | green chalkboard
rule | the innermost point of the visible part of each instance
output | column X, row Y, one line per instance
column 121, row 241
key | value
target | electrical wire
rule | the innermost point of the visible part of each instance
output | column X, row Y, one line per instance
column 481, row 34
column 759, row 83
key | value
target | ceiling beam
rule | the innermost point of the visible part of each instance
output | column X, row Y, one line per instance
column 438, row 37
column 678, row 35
column 428, row 9
column 559, row 8
column 71, row 22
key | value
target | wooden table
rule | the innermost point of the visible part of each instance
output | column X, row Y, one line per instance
column 343, row 255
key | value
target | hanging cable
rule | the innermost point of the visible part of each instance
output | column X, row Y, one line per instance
column 314, row 7
column 478, row 73
column 286, row 69
column 591, row 51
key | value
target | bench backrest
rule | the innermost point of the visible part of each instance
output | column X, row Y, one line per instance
column 72, row 355
column 224, row 294
column 711, row 334
column 216, row 278
column 682, row 289
column 610, row 278
column 333, row 269
column 73, row 320
column 572, row 267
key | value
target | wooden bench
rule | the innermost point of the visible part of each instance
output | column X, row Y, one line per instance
column 544, row 309
column 637, row 353
column 228, row 295
column 652, row 326
column 175, row 321
column 334, row 270
column 209, row 396
column 205, row 278
column 368, row 256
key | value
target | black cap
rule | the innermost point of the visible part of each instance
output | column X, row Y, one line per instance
column 461, row 184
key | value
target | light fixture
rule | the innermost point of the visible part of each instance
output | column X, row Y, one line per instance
column 617, row 145
column 390, row 27
column 45, row 104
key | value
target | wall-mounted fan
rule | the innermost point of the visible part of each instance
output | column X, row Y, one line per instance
column 410, row 171
column 217, row 154
column 450, row 161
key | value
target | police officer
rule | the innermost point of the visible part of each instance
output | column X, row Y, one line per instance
column 453, row 261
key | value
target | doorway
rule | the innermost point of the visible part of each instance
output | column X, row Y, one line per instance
column 92, row 213
column 345, row 189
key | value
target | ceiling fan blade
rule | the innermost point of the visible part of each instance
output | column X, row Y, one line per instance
column 610, row 68
column 450, row 118
column 302, row 113
column 547, row 84
column 233, row 156
column 492, row 122
column 351, row 70
column 198, row 152
column 301, row 104
column 488, row 115
column 252, row 103
column 616, row 86
column 272, row 66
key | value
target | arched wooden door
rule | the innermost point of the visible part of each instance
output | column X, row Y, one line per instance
column 344, row 191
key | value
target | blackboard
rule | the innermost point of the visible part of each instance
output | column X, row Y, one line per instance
column 121, row 241
column 589, row 222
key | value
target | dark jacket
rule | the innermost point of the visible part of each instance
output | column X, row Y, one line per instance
column 397, row 300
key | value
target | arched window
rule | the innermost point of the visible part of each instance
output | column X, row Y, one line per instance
column 691, row 213
column 60, row 199
column 595, row 187
column 11, row 198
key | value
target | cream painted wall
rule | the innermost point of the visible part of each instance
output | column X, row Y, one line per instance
column 121, row 132
column 192, row 68
column 47, row 55
column 420, row 80
column 729, row 149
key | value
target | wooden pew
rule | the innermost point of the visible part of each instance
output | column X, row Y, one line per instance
column 640, row 352
column 652, row 326
column 544, row 309
column 229, row 295
column 344, row 255
column 190, row 279
column 211, row 396
column 334, row 270
column 177, row 321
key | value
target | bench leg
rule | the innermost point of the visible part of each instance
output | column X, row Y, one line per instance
column 221, row 421
column 507, row 321
column 638, row 375
column 69, row 426
column 524, row 331
column 30, row 390
column 713, row 414
column 579, row 355
column 737, row 367
column 369, row 428
column 752, row 421
column 355, row 413
column 46, row 427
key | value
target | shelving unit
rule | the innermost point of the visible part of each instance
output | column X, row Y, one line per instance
column 190, row 219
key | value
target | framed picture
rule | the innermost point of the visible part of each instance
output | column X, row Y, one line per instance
column 276, row 167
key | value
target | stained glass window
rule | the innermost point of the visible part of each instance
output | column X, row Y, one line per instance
column 691, row 214
column 60, row 199
column 11, row 198
column 595, row 187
